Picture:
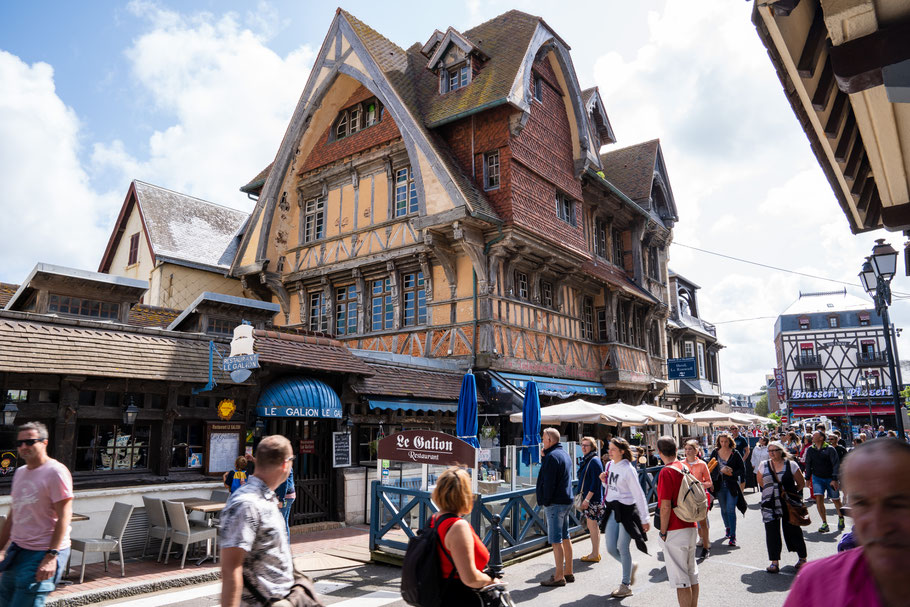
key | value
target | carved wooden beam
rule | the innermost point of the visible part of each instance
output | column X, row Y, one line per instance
column 445, row 256
column 815, row 44
column 471, row 241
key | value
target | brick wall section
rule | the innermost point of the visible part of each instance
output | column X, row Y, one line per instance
column 326, row 152
column 490, row 133
column 543, row 162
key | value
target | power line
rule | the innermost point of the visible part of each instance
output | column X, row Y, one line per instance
column 770, row 267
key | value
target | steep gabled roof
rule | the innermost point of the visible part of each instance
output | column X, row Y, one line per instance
column 6, row 293
column 254, row 186
column 631, row 169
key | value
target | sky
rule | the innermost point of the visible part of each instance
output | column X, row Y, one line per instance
column 196, row 95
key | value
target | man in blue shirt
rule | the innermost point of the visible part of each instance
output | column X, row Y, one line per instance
column 554, row 494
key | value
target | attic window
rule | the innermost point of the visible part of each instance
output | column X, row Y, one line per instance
column 357, row 117
column 455, row 77
column 538, row 88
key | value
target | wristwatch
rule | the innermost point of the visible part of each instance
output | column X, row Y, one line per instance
column 52, row 551
column 662, row 535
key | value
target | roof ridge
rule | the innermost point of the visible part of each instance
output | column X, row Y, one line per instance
column 202, row 200
column 630, row 146
column 499, row 16
column 361, row 23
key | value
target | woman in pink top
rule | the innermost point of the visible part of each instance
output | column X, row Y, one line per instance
column 699, row 470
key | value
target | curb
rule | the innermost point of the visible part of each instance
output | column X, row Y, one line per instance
column 126, row 591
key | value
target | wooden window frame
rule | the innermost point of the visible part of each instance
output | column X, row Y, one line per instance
column 413, row 299
column 212, row 323
column 491, row 170
column 314, row 219
column 346, row 309
column 603, row 333
column 65, row 304
column 317, row 319
column 587, row 317
column 386, row 310
column 538, row 88
column 546, row 294
column 356, row 118
column 702, row 359
column 97, row 450
column 405, row 192
column 836, row 322
column 600, row 238
column 522, row 290
column 565, row 209
column 619, row 252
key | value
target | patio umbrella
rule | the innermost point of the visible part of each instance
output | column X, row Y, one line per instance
column 654, row 417
column 705, row 418
column 466, row 416
column 530, row 422
column 578, row 411
column 653, row 409
column 626, row 414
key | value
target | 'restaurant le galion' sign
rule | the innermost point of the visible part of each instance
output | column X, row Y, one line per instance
column 426, row 447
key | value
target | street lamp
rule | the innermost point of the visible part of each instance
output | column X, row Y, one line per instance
column 876, row 275
column 10, row 410
column 130, row 413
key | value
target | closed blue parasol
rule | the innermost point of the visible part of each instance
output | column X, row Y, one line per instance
column 530, row 422
column 466, row 417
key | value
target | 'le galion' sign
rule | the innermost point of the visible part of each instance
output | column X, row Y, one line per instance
column 426, row 447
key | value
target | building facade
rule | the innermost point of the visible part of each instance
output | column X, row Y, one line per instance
column 689, row 336
column 831, row 348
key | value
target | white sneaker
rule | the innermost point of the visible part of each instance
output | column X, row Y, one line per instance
column 622, row 592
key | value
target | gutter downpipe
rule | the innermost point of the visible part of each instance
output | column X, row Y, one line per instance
column 486, row 251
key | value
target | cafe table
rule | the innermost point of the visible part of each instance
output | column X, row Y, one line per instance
column 209, row 508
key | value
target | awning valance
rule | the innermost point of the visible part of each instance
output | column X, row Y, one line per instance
column 550, row 386
column 299, row 397
column 413, row 405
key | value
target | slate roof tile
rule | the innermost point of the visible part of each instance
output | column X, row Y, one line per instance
column 631, row 169
column 410, row 383
column 152, row 316
column 6, row 293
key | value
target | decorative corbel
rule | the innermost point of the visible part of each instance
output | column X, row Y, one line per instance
column 445, row 256
column 273, row 282
column 427, row 270
column 471, row 241
column 355, row 178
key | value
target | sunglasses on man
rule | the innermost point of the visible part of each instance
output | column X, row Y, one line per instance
column 29, row 441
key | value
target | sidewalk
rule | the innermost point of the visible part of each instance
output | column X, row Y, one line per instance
column 312, row 550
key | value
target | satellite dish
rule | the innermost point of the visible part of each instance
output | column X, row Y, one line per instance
column 240, row 375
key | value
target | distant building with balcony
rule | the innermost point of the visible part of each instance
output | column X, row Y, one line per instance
column 741, row 403
column 831, row 349
column 689, row 336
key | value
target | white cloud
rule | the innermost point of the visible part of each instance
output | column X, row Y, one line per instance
column 230, row 97
column 50, row 211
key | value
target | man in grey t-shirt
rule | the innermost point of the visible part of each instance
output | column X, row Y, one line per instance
column 255, row 553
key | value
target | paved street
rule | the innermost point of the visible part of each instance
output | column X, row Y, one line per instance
column 730, row 576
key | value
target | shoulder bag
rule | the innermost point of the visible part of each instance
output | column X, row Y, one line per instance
column 302, row 594
column 580, row 497
column 797, row 514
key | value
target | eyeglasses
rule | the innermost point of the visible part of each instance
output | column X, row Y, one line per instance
column 289, row 459
column 588, row 445
column 774, row 451
column 29, row 441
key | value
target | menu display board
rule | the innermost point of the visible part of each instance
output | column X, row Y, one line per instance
column 222, row 446
column 341, row 449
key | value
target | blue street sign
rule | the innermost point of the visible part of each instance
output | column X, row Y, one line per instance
column 246, row 361
column 681, row 368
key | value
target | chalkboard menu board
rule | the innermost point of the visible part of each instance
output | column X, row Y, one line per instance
column 341, row 449
column 222, row 446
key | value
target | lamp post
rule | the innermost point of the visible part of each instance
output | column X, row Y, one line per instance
column 9, row 412
column 130, row 413
column 876, row 275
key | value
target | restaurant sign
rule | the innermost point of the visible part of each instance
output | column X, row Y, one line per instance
column 837, row 393
column 426, row 447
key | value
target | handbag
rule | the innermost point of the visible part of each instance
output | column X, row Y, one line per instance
column 302, row 593
column 579, row 497
column 792, row 503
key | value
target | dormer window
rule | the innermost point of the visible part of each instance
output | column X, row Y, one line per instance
column 455, row 77
column 357, row 117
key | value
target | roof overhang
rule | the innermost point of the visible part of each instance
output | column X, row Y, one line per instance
column 251, row 308
column 845, row 69
column 49, row 276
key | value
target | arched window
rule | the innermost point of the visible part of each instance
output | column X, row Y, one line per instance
column 357, row 117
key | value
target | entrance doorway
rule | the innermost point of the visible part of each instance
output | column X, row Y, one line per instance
column 313, row 474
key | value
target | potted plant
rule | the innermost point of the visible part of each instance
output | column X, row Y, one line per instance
column 636, row 438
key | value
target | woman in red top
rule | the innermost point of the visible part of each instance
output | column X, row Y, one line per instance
column 458, row 541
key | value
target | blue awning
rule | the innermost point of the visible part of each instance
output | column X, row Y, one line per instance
column 299, row 397
column 551, row 386
column 412, row 405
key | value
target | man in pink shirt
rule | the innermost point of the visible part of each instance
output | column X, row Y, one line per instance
column 38, row 526
column 876, row 477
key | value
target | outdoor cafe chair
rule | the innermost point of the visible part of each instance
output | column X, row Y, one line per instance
column 186, row 533
column 111, row 539
column 158, row 527
column 220, row 495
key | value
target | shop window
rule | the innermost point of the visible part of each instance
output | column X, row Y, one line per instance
column 86, row 308
column 382, row 308
column 565, row 209
column 346, row 310
column 17, row 396
column 405, row 192
column 187, row 445
column 87, row 398
column 491, row 170
column 415, row 299
column 367, row 441
column 314, row 220
column 155, row 401
column 102, row 447
column 134, row 249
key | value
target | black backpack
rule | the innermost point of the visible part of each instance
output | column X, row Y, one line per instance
column 422, row 584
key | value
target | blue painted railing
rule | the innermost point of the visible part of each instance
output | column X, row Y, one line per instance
column 523, row 525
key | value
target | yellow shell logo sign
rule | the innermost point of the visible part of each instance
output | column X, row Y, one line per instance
column 226, row 409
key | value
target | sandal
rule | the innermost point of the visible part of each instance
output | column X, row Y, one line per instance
column 591, row 559
column 772, row 568
column 799, row 563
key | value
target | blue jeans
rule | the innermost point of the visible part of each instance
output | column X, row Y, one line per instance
column 557, row 516
column 18, row 587
column 727, row 503
column 618, row 541
column 286, row 513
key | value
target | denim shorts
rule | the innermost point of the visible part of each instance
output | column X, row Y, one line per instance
column 557, row 516
column 822, row 486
